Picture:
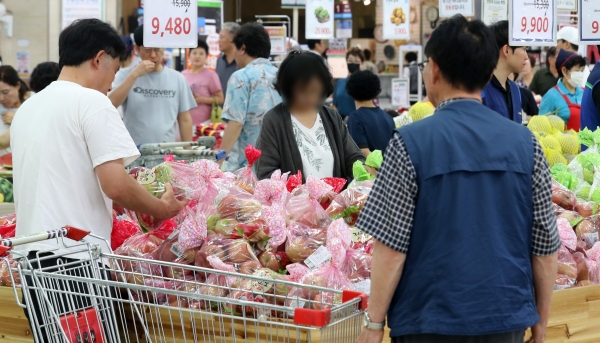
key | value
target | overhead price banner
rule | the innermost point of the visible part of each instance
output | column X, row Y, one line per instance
column 570, row 5
column 589, row 19
column 396, row 19
column 493, row 11
column 319, row 19
column 532, row 22
column 170, row 24
column 449, row 8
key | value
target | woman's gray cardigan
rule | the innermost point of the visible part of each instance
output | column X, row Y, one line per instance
column 280, row 151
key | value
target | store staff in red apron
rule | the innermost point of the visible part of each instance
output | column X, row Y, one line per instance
column 565, row 98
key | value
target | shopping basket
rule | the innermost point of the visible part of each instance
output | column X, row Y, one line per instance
column 154, row 154
column 143, row 300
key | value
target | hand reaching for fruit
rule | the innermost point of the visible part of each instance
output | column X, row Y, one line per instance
column 171, row 205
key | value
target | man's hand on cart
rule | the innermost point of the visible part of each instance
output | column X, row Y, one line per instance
column 172, row 205
column 370, row 336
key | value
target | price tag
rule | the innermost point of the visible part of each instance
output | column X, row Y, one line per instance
column 493, row 11
column 448, row 8
column 569, row 5
column 532, row 22
column 396, row 19
column 589, row 19
column 400, row 91
column 363, row 286
column 170, row 24
column 318, row 257
column 319, row 19
column 277, row 35
column 297, row 303
column 262, row 286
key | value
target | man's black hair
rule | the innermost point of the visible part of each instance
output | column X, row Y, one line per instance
column 84, row 39
column 410, row 57
column 356, row 52
column 470, row 67
column 297, row 70
column 367, row 54
column 255, row 38
column 500, row 31
column 312, row 43
column 202, row 45
column 138, row 36
column 43, row 75
column 551, row 52
column 363, row 86
column 576, row 61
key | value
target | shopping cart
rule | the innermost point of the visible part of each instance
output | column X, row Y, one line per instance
column 144, row 300
column 154, row 154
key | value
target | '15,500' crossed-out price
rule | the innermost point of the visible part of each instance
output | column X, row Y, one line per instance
column 175, row 26
column 538, row 24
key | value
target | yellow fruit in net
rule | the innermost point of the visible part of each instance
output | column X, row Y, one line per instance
column 569, row 144
column 551, row 142
column 540, row 124
column 420, row 110
column 554, row 156
column 556, row 123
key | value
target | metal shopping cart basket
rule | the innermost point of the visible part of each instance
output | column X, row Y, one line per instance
column 143, row 300
column 154, row 154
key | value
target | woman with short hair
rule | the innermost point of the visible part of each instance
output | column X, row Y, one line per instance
column 301, row 133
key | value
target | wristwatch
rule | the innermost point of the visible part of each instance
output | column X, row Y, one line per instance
column 373, row 326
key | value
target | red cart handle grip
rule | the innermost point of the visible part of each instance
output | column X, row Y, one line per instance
column 67, row 231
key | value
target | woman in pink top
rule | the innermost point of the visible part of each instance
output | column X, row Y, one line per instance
column 204, row 83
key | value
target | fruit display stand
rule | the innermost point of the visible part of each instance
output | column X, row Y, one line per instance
column 574, row 317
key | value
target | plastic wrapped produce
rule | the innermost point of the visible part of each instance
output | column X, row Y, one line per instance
column 8, row 225
column 567, row 269
column 171, row 251
column 123, row 228
column 357, row 265
column 586, row 208
column 245, row 178
column 303, row 241
column 563, row 197
column 272, row 192
column 139, row 245
column 231, row 251
column 349, row 203
column 5, row 272
column 587, row 231
column 564, row 176
column 566, row 233
column 306, row 211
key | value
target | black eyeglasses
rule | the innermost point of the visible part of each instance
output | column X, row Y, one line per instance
column 422, row 66
column 295, row 52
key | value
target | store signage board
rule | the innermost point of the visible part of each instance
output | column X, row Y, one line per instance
column 277, row 35
column 170, row 24
column 319, row 19
column 532, row 22
column 396, row 19
column 342, row 11
column 449, row 8
column 400, row 88
column 72, row 10
column 343, row 28
column 570, row 5
column 493, row 11
column 293, row 3
column 589, row 17
column 210, row 17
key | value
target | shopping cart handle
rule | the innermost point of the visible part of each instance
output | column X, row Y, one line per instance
column 67, row 231
column 348, row 295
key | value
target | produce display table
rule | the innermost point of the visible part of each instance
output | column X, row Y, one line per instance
column 574, row 317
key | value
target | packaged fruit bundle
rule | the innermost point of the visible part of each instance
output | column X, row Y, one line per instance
column 123, row 228
column 8, row 225
column 588, row 231
column 566, row 234
column 567, row 269
column 5, row 273
column 235, row 252
column 565, row 177
column 349, row 203
column 245, row 178
column 563, row 197
column 308, row 228
column 171, row 250
column 357, row 265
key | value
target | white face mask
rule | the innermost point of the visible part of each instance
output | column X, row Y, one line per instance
column 576, row 78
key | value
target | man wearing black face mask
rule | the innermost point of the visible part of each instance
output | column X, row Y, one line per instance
column 341, row 100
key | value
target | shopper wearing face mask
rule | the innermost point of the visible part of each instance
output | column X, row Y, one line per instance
column 341, row 100
column 564, row 99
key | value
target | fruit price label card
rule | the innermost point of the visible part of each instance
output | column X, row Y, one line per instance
column 589, row 17
column 449, row 8
column 170, row 24
column 319, row 19
column 396, row 19
column 532, row 22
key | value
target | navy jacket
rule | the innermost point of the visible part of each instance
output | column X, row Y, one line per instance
column 494, row 97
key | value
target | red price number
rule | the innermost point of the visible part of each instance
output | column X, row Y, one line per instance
column 536, row 24
column 400, row 31
column 595, row 27
column 322, row 31
column 175, row 26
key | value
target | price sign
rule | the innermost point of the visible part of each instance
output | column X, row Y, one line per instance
column 532, row 22
column 493, row 11
column 400, row 93
column 448, row 8
column 589, row 19
column 396, row 19
column 277, row 35
column 319, row 19
column 170, row 24
column 570, row 5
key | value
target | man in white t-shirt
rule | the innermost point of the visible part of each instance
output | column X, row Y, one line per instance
column 155, row 99
column 69, row 166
